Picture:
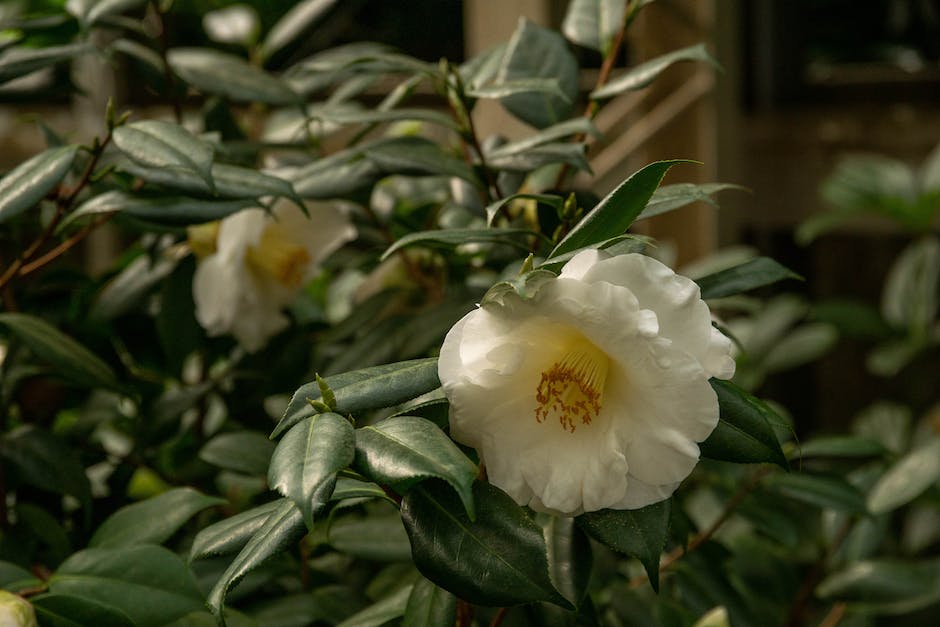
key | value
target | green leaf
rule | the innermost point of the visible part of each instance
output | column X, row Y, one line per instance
column 643, row 74
column 574, row 126
column 104, row 8
column 402, row 451
column 885, row 586
column 306, row 460
column 152, row 521
column 744, row 433
column 379, row 613
column 430, row 606
column 375, row 116
column 746, row 276
column 233, row 533
column 369, row 388
column 542, row 155
column 493, row 209
column 545, row 87
column 616, row 212
column 169, row 210
column 296, row 21
column 840, row 446
column 537, row 52
column 222, row 74
column 21, row 60
column 347, row 488
column 594, row 23
column 824, row 491
column 326, row 604
column 149, row 584
column 230, row 181
column 416, row 155
column 569, row 557
column 337, row 176
column 248, row 452
column 671, row 197
column 910, row 298
column 167, row 146
column 64, row 610
column 129, row 287
column 640, row 533
column 451, row 238
column 375, row 538
column 499, row 559
column 29, row 182
column 282, row 528
column 11, row 574
column 906, row 479
column 43, row 460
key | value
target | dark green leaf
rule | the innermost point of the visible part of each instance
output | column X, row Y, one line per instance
column 43, row 460
column 347, row 488
column 292, row 24
column 907, row 478
column 12, row 574
column 329, row 604
column 376, row 538
column 670, row 197
column 885, row 586
column 282, row 528
column 744, row 433
column 63, row 610
column 616, row 212
column 430, row 606
column 640, row 533
column 499, row 559
column 416, row 155
column 369, row 388
column 149, row 584
column 218, row 73
column 152, row 521
column 594, row 23
column 126, row 290
column 569, row 557
column 28, row 183
column 574, row 126
column 824, row 491
column 839, row 446
column 169, row 210
column 642, row 75
column 375, row 116
column 242, row 451
column 747, row 276
column 403, row 451
column 337, row 176
column 451, row 238
column 233, row 533
column 379, row 613
column 306, row 460
column 19, row 61
column 535, row 52
column 166, row 146
column 230, row 181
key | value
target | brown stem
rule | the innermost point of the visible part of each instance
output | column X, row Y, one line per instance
column 834, row 616
column 65, row 246
column 805, row 593
column 464, row 613
column 499, row 616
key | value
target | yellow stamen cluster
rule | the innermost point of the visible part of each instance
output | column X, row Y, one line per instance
column 572, row 388
column 278, row 256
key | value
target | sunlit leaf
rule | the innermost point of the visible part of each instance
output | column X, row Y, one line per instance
column 19, row 61
column 29, row 182
column 218, row 73
column 594, row 23
column 642, row 75
column 671, row 197
column 167, row 146
column 907, row 478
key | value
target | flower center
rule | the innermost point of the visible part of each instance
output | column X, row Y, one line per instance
column 278, row 256
column 572, row 388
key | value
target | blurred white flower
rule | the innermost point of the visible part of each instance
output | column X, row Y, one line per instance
column 592, row 390
column 252, row 264
column 236, row 24
column 15, row 611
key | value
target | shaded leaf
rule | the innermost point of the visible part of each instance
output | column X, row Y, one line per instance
column 218, row 73
column 416, row 155
column 29, row 182
column 64, row 610
column 906, row 479
column 744, row 433
column 569, row 557
column 19, row 61
column 885, row 586
column 545, row 154
column 451, row 238
column 43, row 460
column 230, row 181
column 839, row 446
column 167, row 146
column 670, row 197
column 231, row 534
column 242, row 451
column 430, row 606
column 824, row 491
column 403, row 451
column 375, row 538
column 169, row 210
column 293, row 23
column 645, row 73
column 746, row 276
column 493, row 209
column 381, row 612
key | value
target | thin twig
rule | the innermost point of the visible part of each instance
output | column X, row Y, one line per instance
column 834, row 616
column 805, row 593
column 499, row 616
column 65, row 246
column 464, row 613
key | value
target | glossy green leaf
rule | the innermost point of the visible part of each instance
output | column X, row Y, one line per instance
column 233, row 533
column 499, row 559
column 307, row 459
column 616, row 212
column 221, row 74
column 907, row 478
column 375, row 538
column 347, row 488
column 375, row 116
column 152, row 521
column 544, row 87
column 64, row 610
column 169, row 210
column 493, row 209
column 671, row 197
column 542, row 155
column 129, row 287
column 167, row 146
column 41, row 459
column 416, row 155
column 149, row 584
column 744, row 433
column 369, row 388
column 29, row 182
column 746, row 276
column 21, row 60
column 430, row 606
column 824, row 491
column 643, row 74
column 569, row 557
column 282, row 528
column 381, row 612
column 248, row 452
column 640, row 533
column 230, row 181
column 70, row 359
column 337, row 176
column 451, row 238
column 839, row 446
column 402, row 451
column 594, row 23
column 574, row 126
column 292, row 24
column 537, row 52
column 885, row 586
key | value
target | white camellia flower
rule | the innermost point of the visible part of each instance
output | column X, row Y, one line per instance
column 590, row 391
column 15, row 611
column 253, row 263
